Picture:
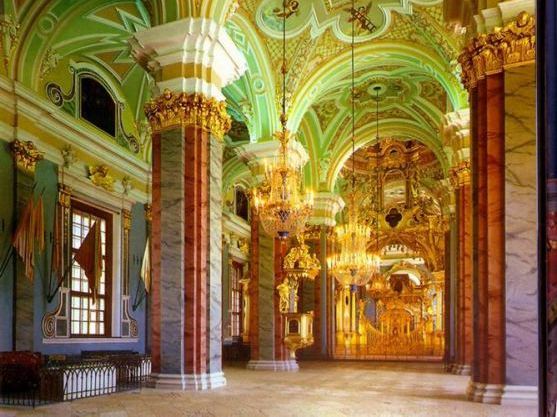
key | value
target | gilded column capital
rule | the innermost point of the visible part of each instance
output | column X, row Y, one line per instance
column 171, row 110
column 26, row 155
column 512, row 44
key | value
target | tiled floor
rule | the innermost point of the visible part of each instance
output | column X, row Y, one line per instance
column 320, row 389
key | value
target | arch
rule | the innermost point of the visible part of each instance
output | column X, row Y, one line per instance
column 403, row 129
column 373, row 54
column 259, row 84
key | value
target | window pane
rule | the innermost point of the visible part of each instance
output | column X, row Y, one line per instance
column 86, row 320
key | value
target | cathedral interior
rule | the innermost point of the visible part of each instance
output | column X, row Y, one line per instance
column 278, row 208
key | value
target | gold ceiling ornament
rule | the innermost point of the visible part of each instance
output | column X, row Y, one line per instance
column 171, row 110
column 26, row 155
column 299, row 263
column 100, row 176
column 283, row 208
column 513, row 44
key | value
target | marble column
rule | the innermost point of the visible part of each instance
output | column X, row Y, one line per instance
column 267, row 348
column 266, row 326
column 547, row 181
column 191, row 61
column 498, row 72
column 464, row 272
column 521, row 231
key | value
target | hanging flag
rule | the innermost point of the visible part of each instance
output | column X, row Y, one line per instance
column 89, row 258
column 23, row 240
column 146, row 266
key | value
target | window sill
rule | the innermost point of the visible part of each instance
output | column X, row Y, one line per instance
column 88, row 340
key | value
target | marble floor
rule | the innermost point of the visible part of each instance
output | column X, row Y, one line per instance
column 320, row 389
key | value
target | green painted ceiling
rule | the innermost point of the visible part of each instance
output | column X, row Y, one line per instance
column 411, row 55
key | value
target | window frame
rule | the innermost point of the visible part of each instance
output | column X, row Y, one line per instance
column 235, row 315
column 108, row 217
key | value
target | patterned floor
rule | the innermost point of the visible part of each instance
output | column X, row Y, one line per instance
column 320, row 389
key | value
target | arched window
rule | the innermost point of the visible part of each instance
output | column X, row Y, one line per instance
column 241, row 203
column 97, row 105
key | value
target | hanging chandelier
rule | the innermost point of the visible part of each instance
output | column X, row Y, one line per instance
column 351, row 264
column 282, row 207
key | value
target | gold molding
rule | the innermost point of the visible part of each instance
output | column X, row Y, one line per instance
column 26, row 155
column 64, row 196
column 171, row 110
column 514, row 44
column 126, row 220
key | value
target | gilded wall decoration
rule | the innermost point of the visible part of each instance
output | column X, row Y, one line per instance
column 171, row 110
column 100, row 176
column 513, row 44
column 26, row 155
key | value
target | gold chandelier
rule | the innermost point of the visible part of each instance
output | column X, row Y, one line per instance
column 351, row 264
column 282, row 207
column 299, row 264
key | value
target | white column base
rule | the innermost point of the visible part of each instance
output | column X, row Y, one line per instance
column 275, row 366
column 485, row 393
column 459, row 369
column 514, row 395
column 188, row 382
column 520, row 395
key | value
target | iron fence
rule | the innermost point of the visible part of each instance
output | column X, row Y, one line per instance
column 70, row 379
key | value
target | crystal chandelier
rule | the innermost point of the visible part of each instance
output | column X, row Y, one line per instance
column 282, row 207
column 351, row 264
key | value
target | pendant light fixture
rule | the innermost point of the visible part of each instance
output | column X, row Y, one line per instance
column 282, row 207
column 351, row 264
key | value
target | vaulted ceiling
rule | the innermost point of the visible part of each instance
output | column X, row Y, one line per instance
column 404, row 48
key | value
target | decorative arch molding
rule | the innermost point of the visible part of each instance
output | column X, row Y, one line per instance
column 78, row 71
column 258, row 99
column 375, row 54
column 422, row 272
column 165, row 11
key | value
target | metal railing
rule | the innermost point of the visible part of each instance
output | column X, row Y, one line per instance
column 70, row 379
